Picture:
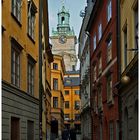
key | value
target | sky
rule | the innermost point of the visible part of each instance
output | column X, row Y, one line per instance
column 74, row 7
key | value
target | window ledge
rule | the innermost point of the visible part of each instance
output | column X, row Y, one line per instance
column 15, row 86
column 109, row 62
column 108, row 22
column 99, row 75
column 31, row 38
column 15, row 18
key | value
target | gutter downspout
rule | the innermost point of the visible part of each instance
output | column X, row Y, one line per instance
column 119, row 65
column 40, row 69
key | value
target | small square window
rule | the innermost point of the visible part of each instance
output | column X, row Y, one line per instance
column 55, row 66
column 77, row 105
column 76, row 92
column 66, row 92
column 66, row 104
column 55, row 102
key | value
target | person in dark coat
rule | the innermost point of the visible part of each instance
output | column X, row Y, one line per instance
column 72, row 134
column 65, row 135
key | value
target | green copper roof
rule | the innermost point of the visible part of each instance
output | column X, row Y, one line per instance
column 63, row 26
column 63, row 10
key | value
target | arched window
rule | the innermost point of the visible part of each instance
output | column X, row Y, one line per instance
column 62, row 20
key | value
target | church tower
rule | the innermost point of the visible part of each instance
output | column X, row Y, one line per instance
column 63, row 40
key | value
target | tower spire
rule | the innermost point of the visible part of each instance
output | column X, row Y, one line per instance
column 62, row 2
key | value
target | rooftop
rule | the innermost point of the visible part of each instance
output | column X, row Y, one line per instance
column 71, row 81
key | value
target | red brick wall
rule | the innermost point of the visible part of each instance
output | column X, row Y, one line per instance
column 109, row 113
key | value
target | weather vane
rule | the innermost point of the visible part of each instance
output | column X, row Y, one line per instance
column 62, row 1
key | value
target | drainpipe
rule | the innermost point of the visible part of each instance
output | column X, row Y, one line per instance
column 40, row 69
column 119, row 65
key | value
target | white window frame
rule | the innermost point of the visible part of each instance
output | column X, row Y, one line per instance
column 99, row 31
column 15, row 66
column 109, row 50
column 16, row 9
column 55, row 102
column 94, row 42
column 109, row 10
column 31, row 76
column 31, row 19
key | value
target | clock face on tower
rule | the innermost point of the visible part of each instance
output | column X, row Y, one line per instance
column 62, row 39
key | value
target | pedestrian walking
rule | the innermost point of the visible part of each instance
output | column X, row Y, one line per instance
column 65, row 135
column 72, row 134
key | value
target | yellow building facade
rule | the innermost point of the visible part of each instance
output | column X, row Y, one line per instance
column 57, row 100
column 128, row 85
column 47, row 58
column 20, row 69
column 129, row 30
column 72, row 100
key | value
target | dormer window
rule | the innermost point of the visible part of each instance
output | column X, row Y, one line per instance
column 62, row 20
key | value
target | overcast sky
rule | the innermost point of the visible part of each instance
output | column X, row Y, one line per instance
column 74, row 7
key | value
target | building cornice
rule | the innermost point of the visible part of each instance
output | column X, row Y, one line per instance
column 16, row 91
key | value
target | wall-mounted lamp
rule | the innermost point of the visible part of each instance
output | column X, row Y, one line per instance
column 125, row 79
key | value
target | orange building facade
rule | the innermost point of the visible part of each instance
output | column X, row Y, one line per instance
column 72, row 101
